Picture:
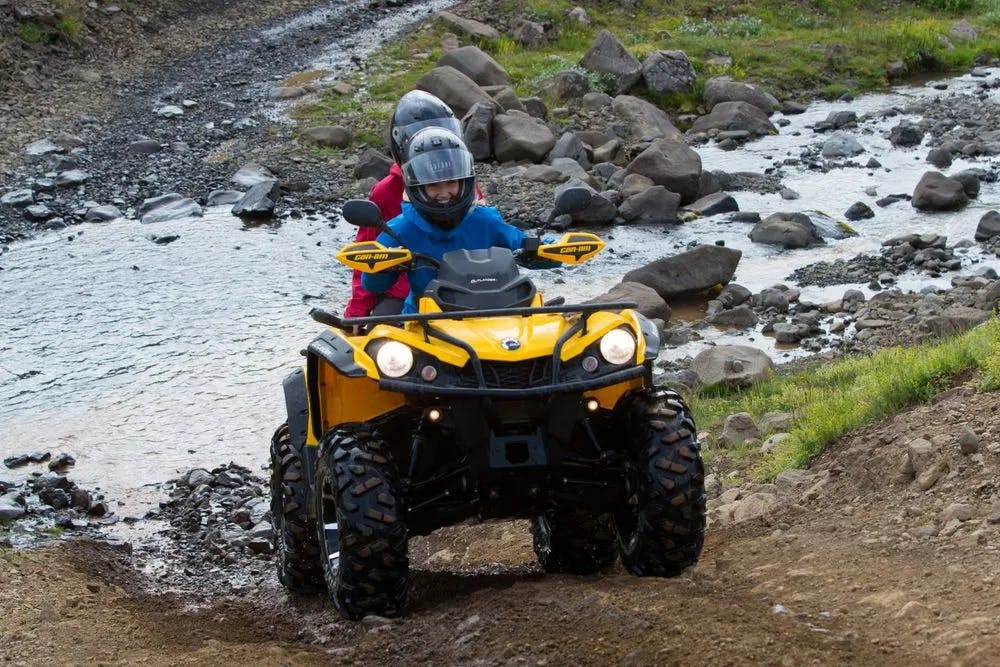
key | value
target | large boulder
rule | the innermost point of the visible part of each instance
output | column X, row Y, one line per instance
column 713, row 204
column 470, row 27
column 649, row 302
column 735, row 116
column 519, row 136
column 564, row 85
column 477, row 130
column 988, row 227
column 937, row 192
column 668, row 72
column 455, row 88
column 601, row 209
column 841, row 144
column 609, row 56
column 732, row 365
column 570, row 146
column 652, row 205
column 168, row 207
column 687, row 273
column 790, row 230
column 672, row 164
column 477, row 65
column 644, row 121
column 720, row 89
column 259, row 201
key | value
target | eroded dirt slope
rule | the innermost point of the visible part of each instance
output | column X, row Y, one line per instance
column 870, row 567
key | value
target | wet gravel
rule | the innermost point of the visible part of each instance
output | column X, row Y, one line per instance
column 190, row 127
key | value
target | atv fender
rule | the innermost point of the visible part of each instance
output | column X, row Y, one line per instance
column 651, row 334
column 339, row 390
column 337, row 352
column 297, row 406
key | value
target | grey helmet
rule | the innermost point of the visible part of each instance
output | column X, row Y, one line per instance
column 433, row 155
column 415, row 111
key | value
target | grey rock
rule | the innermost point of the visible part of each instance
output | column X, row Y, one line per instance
column 653, row 205
column 168, row 207
column 331, row 136
column 789, row 230
column 71, row 178
column 668, row 72
column 259, row 201
column 736, row 116
column 841, row 144
column 470, row 27
column 477, row 65
column 859, row 211
column 713, row 204
column 937, row 192
column 18, row 198
column 671, row 163
column 372, row 164
column 102, row 213
column 609, row 56
column 649, row 302
column 453, row 87
column 477, row 130
column 223, row 197
column 968, row 441
column 988, row 227
column 144, row 147
column 565, row 85
column 251, row 174
column 520, row 136
column 644, row 121
column 689, row 272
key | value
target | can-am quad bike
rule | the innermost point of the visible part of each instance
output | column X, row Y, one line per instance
column 487, row 403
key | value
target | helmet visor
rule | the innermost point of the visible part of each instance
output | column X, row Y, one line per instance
column 403, row 133
column 449, row 164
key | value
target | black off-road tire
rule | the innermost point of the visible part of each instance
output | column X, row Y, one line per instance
column 296, row 548
column 662, row 530
column 572, row 541
column 359, row 516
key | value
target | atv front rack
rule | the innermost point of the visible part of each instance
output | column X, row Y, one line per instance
column 348, row 323
column 556, row 381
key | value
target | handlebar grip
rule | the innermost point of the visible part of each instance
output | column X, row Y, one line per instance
column 323, row 317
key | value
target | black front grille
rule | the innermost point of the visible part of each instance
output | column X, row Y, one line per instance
column 511, row 374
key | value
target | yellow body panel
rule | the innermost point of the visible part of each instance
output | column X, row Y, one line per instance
column 608, row 396
column 537, row 335
column 350, row 399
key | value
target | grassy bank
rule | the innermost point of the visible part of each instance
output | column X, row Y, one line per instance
column 841, row 396
column 799, row 50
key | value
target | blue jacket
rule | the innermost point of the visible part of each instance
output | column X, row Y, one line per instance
column 482, row 228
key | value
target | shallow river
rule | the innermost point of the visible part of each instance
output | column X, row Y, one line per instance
column 144, row 359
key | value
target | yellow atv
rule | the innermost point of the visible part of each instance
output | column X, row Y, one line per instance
column 487, row 403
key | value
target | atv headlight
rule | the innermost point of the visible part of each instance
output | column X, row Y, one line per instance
column 618, row 347
column 394, row 359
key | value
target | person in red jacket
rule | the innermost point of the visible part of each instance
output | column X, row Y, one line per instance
column 414, row 111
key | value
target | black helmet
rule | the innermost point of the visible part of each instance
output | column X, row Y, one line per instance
column 435, row 154
column 415, row 111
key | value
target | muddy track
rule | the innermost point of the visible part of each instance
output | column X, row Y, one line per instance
column 844, row 575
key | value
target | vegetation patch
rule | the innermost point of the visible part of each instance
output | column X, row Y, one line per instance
column 832, row 400
column 797, row 50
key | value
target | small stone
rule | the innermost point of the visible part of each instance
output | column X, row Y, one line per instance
column 968, row 441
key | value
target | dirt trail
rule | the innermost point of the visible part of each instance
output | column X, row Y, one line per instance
column 862, row 570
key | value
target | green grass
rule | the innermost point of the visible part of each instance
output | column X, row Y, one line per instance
column 802, row 50
column 69, row 27
column 32, row 34
column 833, row 400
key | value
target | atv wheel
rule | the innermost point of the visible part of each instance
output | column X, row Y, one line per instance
column 662, row 529
column 574, row 541
column 296, row 547
column 363, row 538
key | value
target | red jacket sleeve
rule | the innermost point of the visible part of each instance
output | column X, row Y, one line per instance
column 388, row 196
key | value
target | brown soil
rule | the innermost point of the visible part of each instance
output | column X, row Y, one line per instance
column 41, row 85
column 863, row 571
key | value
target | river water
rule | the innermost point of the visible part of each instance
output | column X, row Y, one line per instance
column 145, row 359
